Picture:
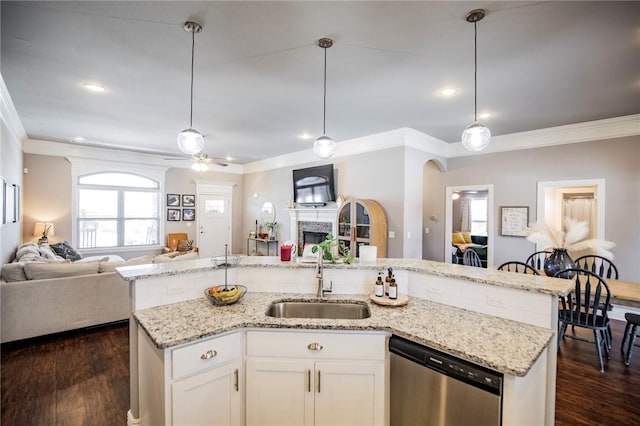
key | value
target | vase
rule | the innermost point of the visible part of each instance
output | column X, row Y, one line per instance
column 558, row 261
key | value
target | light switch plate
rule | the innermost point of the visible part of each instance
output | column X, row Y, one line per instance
column 392, row 234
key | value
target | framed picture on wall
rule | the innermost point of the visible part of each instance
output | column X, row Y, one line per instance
column 188, row 200
column 173, row 200
column 189, row 214
column 173, row 215
column 513, row 220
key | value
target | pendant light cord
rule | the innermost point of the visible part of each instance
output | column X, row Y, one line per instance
column 475, row 72
column 193, row 43
column 324, row 98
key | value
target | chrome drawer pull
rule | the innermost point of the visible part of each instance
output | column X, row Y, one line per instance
column 208, row 354
column 315, row 346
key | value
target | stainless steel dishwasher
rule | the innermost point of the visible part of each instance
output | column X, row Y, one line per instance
column 429, row 387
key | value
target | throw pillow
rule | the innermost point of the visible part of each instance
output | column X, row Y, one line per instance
column 457, row 238
column 66, row 250
column 467, row 237
column 185, row 245
column 48, row 253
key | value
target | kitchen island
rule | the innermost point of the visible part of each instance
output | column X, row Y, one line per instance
column 498, row 320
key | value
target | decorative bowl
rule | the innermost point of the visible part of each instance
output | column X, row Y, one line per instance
column 226, row 261
column 218, row 296
column 263, row 235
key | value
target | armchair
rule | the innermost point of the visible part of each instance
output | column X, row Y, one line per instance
column 173, row 243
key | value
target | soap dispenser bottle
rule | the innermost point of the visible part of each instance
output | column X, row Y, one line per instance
column 387, row 280
column 393, row 289
column 379, row 287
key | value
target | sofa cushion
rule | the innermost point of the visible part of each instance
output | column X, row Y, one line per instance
column 175, row 257
column 41, row 271
column 111, row 266
column 66, row 250
column 13, row 272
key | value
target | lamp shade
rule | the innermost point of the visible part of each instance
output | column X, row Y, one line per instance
column 43, row 229
column 476, row 137
column 190, row 141
column 199, row 167
column 324, row 147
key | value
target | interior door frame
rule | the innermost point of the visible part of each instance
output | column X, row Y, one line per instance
column 448, row 226
column 599, row 195
column 216, row 189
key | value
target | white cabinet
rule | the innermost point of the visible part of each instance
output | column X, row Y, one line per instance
column 195, row 384
column 315, row 378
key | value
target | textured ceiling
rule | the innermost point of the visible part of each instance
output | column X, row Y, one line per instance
column 258, row 72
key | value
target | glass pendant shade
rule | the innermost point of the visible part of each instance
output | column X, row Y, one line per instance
column 324, row 147
column 476, row 137
column 199, row 167
column 190, row 141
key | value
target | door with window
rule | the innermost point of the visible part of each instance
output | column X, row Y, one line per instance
column 214, row 213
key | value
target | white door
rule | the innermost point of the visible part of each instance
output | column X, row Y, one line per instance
column 214, row 221
column 349, row 393
column 279, row 392
column 209, row 398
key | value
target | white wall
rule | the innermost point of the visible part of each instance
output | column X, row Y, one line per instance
column 11, row 137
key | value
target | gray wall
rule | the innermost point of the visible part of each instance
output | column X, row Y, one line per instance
column 515, row 175
column 11, row 171
column 376, row 175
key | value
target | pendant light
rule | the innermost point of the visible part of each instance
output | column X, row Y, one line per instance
column 190, row 141
column 324, row 146
column 476, row 136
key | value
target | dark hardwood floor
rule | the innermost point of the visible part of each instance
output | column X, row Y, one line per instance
column 83, row 379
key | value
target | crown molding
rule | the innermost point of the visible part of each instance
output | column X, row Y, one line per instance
column 609, row 128
column 60, row 149
column 10, row 116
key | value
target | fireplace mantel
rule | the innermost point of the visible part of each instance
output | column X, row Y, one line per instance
column 309, row 214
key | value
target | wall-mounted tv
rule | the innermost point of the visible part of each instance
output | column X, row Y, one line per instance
column 314, row 186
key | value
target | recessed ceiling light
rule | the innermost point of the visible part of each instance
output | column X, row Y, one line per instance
column 305, row 136
column 92, row 87
column 78, row 139
column 485, row 115
column 229, row 158
column 448, row 91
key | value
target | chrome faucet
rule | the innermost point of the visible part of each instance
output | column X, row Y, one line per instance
column 320, row 276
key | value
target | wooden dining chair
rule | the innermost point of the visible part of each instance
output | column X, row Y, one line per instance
column 471, row 258
column 516, row 266
column 587, row 306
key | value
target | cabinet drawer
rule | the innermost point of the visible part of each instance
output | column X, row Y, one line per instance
column 294, row 344
column 205, row 354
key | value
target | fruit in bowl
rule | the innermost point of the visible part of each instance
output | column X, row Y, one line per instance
column 221, row 295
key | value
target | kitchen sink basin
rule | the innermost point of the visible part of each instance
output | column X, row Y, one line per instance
column 319, row 309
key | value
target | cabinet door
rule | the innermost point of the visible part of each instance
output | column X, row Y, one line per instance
column 349, row 393
column 209, row 398
column 279, row 392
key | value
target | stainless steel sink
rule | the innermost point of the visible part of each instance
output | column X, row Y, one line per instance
column 319, row 309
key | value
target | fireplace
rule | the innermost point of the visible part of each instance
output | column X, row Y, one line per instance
column 311, row 226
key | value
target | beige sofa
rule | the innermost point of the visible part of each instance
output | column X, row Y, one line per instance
column 40, row 295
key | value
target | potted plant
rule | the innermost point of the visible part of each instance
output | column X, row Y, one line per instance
column 334, row 251
column 271, row 227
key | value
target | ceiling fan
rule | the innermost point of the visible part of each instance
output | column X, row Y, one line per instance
column 201, row 160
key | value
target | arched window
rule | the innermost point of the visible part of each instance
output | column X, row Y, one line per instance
column 117, row 209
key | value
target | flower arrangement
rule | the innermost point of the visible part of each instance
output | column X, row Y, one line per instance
column 572, row 239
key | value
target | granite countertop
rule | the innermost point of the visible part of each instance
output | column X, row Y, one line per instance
column 503, row 345
column 541, row 284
